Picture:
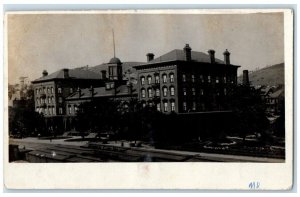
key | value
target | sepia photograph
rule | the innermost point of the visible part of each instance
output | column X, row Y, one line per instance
column 140, row 87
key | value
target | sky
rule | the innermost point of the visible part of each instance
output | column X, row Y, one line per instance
column 38, row 42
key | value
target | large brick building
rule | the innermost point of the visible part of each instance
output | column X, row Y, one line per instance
column 50, row 92
column 186, row 81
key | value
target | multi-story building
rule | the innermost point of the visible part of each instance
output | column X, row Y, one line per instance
column 184, row 81
column 50, row 91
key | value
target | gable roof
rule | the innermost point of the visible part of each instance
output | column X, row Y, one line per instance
column 178, row 54
column 77, row 73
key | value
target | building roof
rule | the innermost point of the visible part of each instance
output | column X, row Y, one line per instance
column 115, row 60
column 127, row 67
column 178, row 55
column 277, row 94
column 102, row 92
column 77, row 73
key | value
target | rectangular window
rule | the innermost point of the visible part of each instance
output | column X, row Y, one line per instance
column 194, row 106
column 49, row 100
column 183, row 78
column 172, row 91
column 59, row 90
column 52, row 90
column 149, row 80
column 53, row 110
column 70, row 109
column 60, row 100
column 171, row 78
column 184, row 91
column 143, row 93
column 158, row 106
column 60, row 110
column 150, row 93
column 208, row 79
column 225, row 91
column 173, row 106
column 193, row 91
column 201, row 78
column 193, row 78
column 165, row 106
column 217, row 79
column 165, row 91
column 164, row 78
column 157, row 79
column 201, row 92
column 142, row 80
column 157, row 92
column 184, row 106
column 224, row 79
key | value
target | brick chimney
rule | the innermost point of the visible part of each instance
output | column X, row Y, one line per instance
column 212, row 56
column 188, row 52
column 45, row 73
column 226, row 57
column 246, row 78
column 150, row 57
column 103, row 74
column 79, row 92
column 92, row 91
column 66, row 73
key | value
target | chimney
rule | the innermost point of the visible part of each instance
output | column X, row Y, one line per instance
column 246, row 78
column 103, row 74
column 211, row 55
column 150, row 57
column 66, row 73
column 226, row 57
column 45, row 73
column 187, row 51
column 92, row 91
column 79, row 92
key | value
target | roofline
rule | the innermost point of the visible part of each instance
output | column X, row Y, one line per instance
column 102, row 96
column 181, row 61
column 57, row 79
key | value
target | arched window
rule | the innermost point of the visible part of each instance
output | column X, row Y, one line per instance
column 143, row 91
column 149, row 92
column 59, row 90
column 52, row 99
column 48, row 90
column 164, row 77
column 70, row 109
column 172, row 91
column 37, row 101
column 172, row 105
column 165, row 106
column 165, row 91
column 142, row 80
column 52, row 90
column 149, row 78
column 171, row 77
column 53, row 110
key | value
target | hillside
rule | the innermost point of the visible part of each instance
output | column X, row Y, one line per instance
column 268, row 76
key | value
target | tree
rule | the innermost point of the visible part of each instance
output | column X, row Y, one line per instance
column 248, row 111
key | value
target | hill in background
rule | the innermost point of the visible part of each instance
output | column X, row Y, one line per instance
column 268, row 76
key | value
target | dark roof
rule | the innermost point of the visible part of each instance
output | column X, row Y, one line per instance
column 77, row 73
column 125, row 67
column 115, row 60
column 178, row 54
column 102, row 92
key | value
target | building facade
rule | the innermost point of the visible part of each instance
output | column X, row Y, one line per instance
column 185, row 81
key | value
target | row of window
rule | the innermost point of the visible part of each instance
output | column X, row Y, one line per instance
column 157, row 79
column 157, row 92
column 72, row 109
column 49, row 100
column 208, row 79
column 166, row 106
column 48, row 111
column 50, row 90
column 172, row 92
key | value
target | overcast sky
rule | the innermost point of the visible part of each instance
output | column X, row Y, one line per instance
column 52, row 42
